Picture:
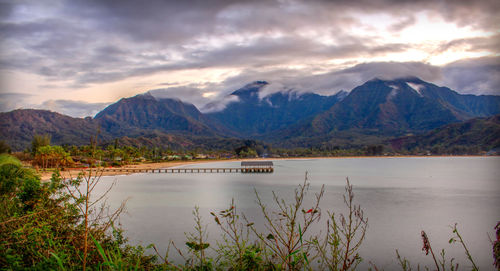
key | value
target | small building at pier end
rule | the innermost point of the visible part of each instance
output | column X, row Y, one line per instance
column 257, row 167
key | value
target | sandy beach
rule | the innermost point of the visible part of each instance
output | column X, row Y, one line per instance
column 73, row 172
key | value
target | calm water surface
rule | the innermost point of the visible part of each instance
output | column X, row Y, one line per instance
column 400, row 197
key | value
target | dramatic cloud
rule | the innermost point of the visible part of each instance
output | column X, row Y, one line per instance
column 479, row 76
column 332, row 82
column 94, row 50
column 193, row 94
column 74, row 108
column 11, row 101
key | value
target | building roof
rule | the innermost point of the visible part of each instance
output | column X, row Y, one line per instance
column 257, row 164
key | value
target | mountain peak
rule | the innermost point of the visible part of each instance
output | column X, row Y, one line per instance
column 251, row 89
column 146, row 96
column 375, row 79
column 411, row 79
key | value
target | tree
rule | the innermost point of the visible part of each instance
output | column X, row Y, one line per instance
column 4, row 147
column 374, row 150
column 10, row 174
column 52, row 156
column 39, row 141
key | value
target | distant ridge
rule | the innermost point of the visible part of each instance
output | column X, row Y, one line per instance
column 456, row 138
column 375, row 111
column 19, row 126
column 401, row 106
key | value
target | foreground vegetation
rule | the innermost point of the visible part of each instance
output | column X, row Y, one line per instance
column 55, row 225
column 49, row 225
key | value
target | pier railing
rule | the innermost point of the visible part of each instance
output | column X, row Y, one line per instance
column 193, row 170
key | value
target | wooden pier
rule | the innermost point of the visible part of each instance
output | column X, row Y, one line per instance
column 246, row 167
column 187, row 170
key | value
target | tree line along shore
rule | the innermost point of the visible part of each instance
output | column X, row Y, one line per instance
column 70, row 160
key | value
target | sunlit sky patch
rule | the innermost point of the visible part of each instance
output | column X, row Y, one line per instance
column 60, row 53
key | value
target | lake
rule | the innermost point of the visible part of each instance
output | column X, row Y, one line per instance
column 400, row 197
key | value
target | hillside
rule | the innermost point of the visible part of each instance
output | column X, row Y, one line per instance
column 18, row 127
column 472, row 136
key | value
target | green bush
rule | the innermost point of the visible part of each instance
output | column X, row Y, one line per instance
column 42, row 226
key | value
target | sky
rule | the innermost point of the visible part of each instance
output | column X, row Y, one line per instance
column 78, row 56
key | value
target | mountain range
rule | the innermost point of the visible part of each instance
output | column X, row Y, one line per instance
column 372, row 112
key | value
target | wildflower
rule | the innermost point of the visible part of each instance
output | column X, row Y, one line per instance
column 309, row 211
column 496, row 247
column 426, row 245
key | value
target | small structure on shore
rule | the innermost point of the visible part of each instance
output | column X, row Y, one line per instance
column 257, row 167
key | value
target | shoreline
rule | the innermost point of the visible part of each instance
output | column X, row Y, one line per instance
column 73, row 172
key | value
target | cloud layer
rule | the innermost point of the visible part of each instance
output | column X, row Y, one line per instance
column 97, row 51
column 74, row 108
